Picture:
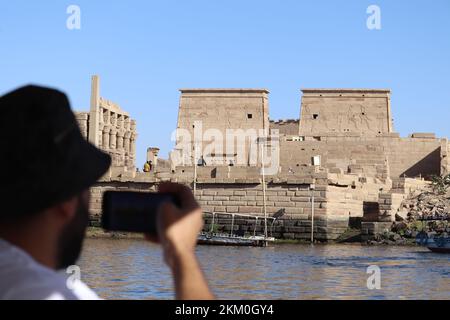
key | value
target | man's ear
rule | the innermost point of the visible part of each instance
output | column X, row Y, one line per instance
column 65, row 211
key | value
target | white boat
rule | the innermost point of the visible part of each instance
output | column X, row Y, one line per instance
column 224, row 239
column 232, row 239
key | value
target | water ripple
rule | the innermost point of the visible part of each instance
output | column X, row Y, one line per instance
column 133, row 269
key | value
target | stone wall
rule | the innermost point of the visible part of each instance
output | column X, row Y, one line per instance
column 248, row 199
column 294, row 200
column 337, row 198
column 341, row 111
column 285, row 127
column 408, row 185
column 83, row 123
column 412, row 157
column 370, row 229
column 351, row 129
column 380, row 157
column 350, row 156
column 389, row 205
column 445, row 161
column 214, row 113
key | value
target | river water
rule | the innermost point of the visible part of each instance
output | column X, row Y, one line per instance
column 133, row 269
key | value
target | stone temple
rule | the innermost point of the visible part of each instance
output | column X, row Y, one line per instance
column 343, row 150
column 110, row 128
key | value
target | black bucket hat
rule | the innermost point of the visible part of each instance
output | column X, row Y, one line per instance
column 44, row 158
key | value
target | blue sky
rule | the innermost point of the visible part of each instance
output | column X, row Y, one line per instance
column 145, row 51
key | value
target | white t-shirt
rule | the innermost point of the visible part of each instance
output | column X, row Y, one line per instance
column 22, row 278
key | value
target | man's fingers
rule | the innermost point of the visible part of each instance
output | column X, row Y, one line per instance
column 183, row 193
column 167, row 208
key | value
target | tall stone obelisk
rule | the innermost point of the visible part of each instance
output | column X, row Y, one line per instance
column 94, row 114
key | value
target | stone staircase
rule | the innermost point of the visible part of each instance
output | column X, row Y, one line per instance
column 378, row 217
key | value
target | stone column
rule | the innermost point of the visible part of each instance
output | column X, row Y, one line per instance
column 100, row 134
column 133, row 145
column 120, row 149
column 113, row 139
column 127, row 159
column 106, row 132
column 133, row 138
column 126, row 141
column 83, row 122
column 120, row 136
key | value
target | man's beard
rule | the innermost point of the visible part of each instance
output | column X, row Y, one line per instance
column 71, row 238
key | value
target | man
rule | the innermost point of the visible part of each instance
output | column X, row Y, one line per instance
column 46, row 170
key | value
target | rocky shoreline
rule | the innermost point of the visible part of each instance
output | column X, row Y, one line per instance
column 424, row 211
column 99, row 233
column 388, row 239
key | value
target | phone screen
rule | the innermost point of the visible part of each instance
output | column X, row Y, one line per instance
column 132, row 211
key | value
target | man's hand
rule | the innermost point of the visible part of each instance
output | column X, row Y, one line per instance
column 178, row 229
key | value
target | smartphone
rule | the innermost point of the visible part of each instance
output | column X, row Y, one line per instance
column 132, row 211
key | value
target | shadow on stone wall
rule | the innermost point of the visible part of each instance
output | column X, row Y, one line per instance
column 428, row 166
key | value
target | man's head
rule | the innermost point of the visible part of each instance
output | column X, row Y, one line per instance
column 46, row 170
column 59, row 229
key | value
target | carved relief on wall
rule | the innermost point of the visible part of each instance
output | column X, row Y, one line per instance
column 359, row 120
column 338, row 117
